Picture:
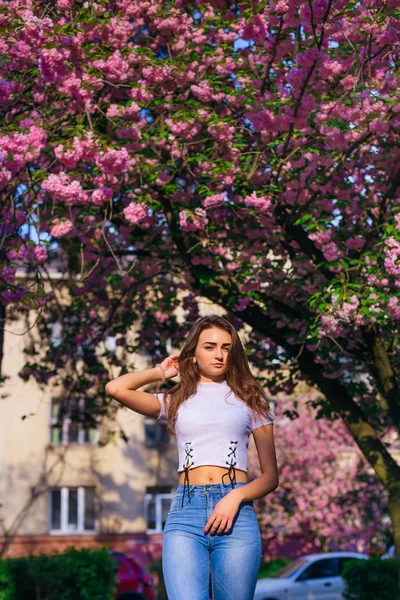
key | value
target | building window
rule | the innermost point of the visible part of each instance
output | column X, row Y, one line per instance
column 65, row 426
column 56, row 333
column 157, row 501
column 110, row 343
column 155, row 433
column 72, row 510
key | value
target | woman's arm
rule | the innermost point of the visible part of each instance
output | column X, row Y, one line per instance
column 124, row 389
column 268, row 481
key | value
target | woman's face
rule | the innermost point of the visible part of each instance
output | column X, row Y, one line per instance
column 212, row 353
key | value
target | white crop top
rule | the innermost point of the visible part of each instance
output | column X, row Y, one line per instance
column 213, row 427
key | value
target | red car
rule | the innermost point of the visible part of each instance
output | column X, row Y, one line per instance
column 134, row 582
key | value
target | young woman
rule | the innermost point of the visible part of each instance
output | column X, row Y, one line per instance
column 211, row 526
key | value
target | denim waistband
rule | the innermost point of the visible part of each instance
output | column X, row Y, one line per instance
column 211, row 487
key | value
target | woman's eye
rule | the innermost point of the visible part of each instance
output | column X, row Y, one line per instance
column 210, row 348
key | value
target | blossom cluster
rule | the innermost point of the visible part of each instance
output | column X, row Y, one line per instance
column 193, row 221
column 327, row 492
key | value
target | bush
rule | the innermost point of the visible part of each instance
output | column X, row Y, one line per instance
column 16, row 583
column 156, row 568
column 74, row 575
column 371, row 579
column 7, row 588
column 270, row 568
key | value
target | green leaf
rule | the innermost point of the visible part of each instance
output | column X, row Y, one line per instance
column 206, row 279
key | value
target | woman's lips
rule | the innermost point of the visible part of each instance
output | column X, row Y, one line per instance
column 217, row 365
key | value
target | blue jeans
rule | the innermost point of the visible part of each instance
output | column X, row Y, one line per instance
column 189, row 556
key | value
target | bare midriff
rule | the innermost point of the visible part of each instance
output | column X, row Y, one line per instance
column 210, row 474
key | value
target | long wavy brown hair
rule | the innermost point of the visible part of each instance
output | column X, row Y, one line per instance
column 238, row 375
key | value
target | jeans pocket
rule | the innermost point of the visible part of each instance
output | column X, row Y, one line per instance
column 177, row 505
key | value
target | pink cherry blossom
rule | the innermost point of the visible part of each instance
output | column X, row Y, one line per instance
column 187, row 130
column 135, row 212
column 114, row 161
column 193, row 221
column 255, row 30
column 61, row 228
column 355, row 243
column 348, row 82
column 40, row 254
column 101, row 195
column 160, row 316
column 52, row 63
column 213, row 200
column 63, row 189
column 378, row 126
column 115, row 68
column 5, row 177
column 392, row 260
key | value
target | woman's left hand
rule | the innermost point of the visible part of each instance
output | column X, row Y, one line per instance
column 224, row 512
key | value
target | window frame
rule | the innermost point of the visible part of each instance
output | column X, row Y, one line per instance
column 160, row 428
column 158, row 498
column 64, row 508
column 65, row 428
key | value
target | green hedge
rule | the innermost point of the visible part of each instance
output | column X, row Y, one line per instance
column 74, row 575
column 371, row 579
column 273, row 566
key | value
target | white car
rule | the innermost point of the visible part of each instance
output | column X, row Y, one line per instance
column 390, row 553
column 308, row 577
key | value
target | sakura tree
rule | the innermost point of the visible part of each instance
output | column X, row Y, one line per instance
column 328, row 495
column 247, row 152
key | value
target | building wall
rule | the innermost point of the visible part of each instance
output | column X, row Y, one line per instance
column 30, row 465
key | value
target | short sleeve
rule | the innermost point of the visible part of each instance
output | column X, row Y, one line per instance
column 163, row 413
column 256, row 421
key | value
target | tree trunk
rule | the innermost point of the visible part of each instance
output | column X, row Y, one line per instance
column 394, row 511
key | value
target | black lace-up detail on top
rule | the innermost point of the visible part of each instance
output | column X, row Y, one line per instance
column 231, row 471
column 186, row 466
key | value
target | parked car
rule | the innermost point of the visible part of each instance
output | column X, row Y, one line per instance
column 390, row 552
column 316, row 576
column 134, row 582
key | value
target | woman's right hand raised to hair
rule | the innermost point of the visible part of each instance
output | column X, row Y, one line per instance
column 170, row 366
